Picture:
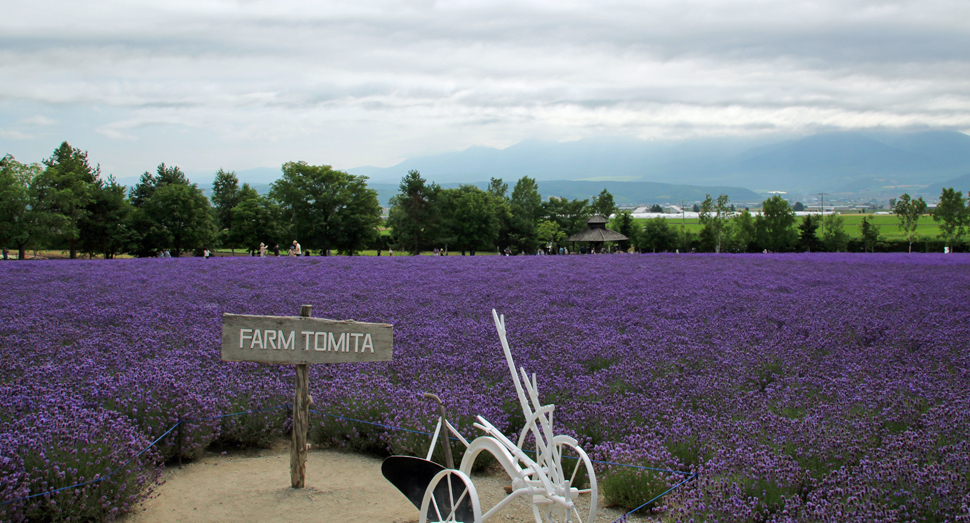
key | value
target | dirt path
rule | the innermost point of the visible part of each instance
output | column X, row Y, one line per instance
column 254, row 486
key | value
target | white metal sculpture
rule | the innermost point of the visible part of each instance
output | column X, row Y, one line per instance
column 543, row 476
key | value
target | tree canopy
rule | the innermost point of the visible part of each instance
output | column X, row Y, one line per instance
column 776, row 225
column 62, row 192
column 909, row 212
column 952, row 215
column 328, row 209
column 170, row 213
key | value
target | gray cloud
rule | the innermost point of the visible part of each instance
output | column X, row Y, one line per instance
column 372, row 82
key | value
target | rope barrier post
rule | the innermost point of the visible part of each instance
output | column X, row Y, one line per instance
column 178, row 436
column 301, row 418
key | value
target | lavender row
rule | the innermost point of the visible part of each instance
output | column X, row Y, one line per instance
column 801, row 387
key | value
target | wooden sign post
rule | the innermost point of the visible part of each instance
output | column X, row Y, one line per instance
column 300, row 341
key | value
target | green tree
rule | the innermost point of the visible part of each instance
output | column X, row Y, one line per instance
column 225, row 197
column 713, row 217
column 359, row 220
column 18, row 218
column 908, row 211
column 834, row 237
column 571, row 215
column 62, row 192
column 952, row 215
column 807, row 233
column 255, row 219
column 775, row 225
column 603, row 205
column 870, row 234
column 180, row 212
column 330, row 209
column 148, row 183
column 551, row 232
column 687, row 240
column 656, row 208
column 170, row 213
column 106, row 226
column 474, row 223
column 627, row 227
column 657, row 236
column 526, row 208
column 412, row 216
column 745, row 233
column 498, row 192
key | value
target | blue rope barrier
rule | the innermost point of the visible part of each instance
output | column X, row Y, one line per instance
column 139, row 454
column 99, row 480
column 376, row 424
column 691, row 476
column 209, row 418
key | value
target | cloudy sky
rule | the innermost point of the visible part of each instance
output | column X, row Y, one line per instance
column 205, row 84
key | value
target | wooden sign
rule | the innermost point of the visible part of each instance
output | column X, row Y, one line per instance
column 294, row 340
column 300, row 341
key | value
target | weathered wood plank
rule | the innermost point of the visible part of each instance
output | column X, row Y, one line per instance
column 298, row 340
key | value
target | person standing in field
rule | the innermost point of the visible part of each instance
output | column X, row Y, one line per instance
column 276, row 250
column 295, row 249
column 262, row 250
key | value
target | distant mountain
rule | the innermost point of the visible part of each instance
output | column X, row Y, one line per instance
column 624, row 193
column 639, row 193
column 618, row 159
column 826, row 160
column 871, row 162
column 960, row 183
column 948, row 149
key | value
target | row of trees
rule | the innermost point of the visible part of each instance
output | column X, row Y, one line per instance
column 326, row 209
column 424, row 215
column 777, row 229
column 951, row 214
column 65, row 203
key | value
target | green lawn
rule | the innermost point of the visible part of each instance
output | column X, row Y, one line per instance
column 888, row 225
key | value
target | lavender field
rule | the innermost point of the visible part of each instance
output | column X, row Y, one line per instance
column 801, row 387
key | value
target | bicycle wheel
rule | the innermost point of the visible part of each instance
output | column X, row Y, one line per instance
column 574, row 480
column 451, row 497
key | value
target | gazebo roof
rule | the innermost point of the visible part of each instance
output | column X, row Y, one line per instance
column 590, row 234
column 596, row 231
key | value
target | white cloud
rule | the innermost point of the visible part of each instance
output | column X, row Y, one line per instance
column 38, row 120
column 371, row 82
column 14, row 135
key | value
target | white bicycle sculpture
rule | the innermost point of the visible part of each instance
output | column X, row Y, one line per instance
column 444, row 493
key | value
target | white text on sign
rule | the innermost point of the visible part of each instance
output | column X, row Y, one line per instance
column 312, row 340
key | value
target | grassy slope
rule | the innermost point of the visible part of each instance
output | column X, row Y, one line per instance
column 887, row 223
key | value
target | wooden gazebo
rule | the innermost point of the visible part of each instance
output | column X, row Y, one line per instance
column 596, row 233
